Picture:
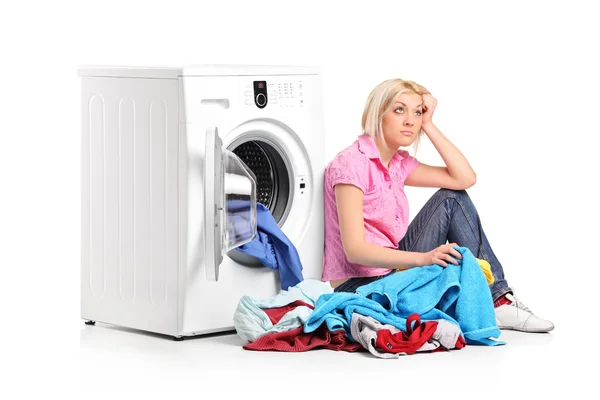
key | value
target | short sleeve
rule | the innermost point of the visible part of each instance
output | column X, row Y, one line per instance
column 349, row 168
column 409, row 163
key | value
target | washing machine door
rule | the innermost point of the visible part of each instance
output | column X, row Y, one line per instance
column 229, row 201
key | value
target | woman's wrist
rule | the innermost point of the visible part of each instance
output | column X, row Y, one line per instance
column 416, row 259
column 419, row 259
column 428, row 127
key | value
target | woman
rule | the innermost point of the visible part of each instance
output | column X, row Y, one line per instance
column 367, row 235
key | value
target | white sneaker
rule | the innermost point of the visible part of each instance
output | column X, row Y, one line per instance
column 518, row 317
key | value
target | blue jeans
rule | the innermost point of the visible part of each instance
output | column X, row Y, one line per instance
column 448, row 216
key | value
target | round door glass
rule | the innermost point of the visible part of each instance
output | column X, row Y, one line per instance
column 272, row 178
column 272, row 184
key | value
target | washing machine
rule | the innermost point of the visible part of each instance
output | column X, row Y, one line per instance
column 173, row 162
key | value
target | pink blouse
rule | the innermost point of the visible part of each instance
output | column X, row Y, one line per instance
column 385, row 206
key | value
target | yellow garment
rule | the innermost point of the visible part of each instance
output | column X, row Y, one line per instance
column 487, row 270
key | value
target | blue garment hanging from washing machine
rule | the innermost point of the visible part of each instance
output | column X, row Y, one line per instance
column 273, row 248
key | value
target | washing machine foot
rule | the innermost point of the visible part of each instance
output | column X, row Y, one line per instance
column 90, row 322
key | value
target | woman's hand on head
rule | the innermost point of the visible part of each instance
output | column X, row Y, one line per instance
column 429, row 105
column 442, row 255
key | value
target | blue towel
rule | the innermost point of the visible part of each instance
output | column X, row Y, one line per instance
column 457, row 293
column 273, row 248
column 336, row 309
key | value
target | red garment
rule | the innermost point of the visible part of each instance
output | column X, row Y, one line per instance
column 415, row 337
column 297, row 340
column 275, row 314
column 501, row 300
column 410, row 341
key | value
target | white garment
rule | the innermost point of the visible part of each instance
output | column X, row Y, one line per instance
column 251, row 322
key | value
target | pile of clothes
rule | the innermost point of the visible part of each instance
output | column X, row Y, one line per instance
column 426, row 309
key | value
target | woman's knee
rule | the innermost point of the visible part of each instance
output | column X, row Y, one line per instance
column 456, row 194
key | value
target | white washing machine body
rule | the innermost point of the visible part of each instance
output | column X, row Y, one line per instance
column 156, row 252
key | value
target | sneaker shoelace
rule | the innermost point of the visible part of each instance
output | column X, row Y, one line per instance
column 517, row 303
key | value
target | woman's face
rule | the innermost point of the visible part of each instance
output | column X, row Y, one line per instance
column 402, row 124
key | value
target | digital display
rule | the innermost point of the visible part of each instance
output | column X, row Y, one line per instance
column 261, row 85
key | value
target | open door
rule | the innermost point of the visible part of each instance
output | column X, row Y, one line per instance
column 229, row 203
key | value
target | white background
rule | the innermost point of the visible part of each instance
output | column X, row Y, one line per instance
column 517, row 85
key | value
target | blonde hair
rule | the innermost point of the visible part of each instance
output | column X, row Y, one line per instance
column 381, row 101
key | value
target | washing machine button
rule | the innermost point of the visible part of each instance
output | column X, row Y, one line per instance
column 261, row 99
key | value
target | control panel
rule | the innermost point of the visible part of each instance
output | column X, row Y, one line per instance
column 275, row 92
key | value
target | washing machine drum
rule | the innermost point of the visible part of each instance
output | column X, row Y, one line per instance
column 271, row 173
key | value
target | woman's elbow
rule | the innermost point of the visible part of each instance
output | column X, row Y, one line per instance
column 353, row 253
column 471, row 182
column 350, row 255
column 467, row 182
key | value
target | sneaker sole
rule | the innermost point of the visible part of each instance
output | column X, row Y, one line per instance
column 510, row 328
